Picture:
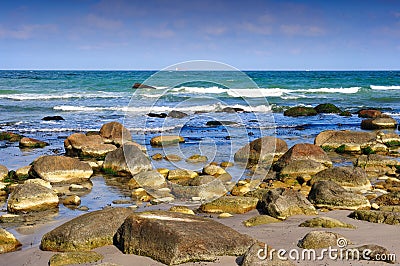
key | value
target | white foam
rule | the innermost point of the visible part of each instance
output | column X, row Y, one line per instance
column 348, row 90
column 393, row 87
column 257, row 93
column 32, row 96
column 200, row 90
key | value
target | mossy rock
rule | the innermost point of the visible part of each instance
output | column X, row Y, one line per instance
column 300, row 111
column 327, row 108
column 260, row 219
column 345, row 113
column 12, row 137
column 77, row 257
column 392, row 143
column 325, row 222
column 236, row 204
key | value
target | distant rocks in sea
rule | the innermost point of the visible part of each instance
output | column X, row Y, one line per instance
column 53, row 118
column 138, row 85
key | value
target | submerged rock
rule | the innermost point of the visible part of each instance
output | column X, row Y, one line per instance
column 328, row 194
column 86, row 232
column 10, row 136
column 174, row 238
column 8, row 242
column 282, row 203
column 327, row 108
column 160, row 141
column 177, row 114
column 230, row 204
column 32, row 143
column 61, row 169
column 53, row 118
column 31, row 197
column 300, row 111
column 321, row 239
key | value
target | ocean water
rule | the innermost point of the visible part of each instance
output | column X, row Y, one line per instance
column 88, row 99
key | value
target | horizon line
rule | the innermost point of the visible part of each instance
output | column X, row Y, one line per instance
column 303, row 70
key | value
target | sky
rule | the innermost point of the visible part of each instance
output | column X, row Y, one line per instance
column 153, row 34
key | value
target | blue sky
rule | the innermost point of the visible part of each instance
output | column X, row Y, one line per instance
column 124, row 34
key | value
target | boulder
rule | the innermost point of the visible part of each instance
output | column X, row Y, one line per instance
column 322, row 239
column 327, row 108
column 253, row 256
column 369, row 113
column 181, row 174
column 389, row 199
column 8, row 242
column 150, row 179
column 61, row 169
column 86, row 232
column 216, row 123
column 128, row 159
column 39, row 181
column 115, row 133
column 259, row 220
column 79, row 144
column 32, row 143
column 138, row 85
column 230, row 204
column 72, row 200
column 213, row 170
column 181, row 209
column 282, row 203
column 197, row 158
column 175, row 238
column 161, row 115
column 53, row 118
column 74, row 257
column 203, row 188
column 264, row 149
column 382, row 217
column 31, row 197
column 300, row 111
column 10, row 136
column 325, row 222
column 177, row 114
column 351, row 141
column 350, row 178
column 379, row 123
column 303, row 151
column 301, row 168
column 377, row 165
column 3, row 172
column 376, row 253
column 22, row 173
column 328, row 194
column 160, row 141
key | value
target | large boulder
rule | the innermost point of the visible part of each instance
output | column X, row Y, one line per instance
column 175, row 238
column 350, row 178
column 303, row 151
column 300, row 111
column 32, row 143
column 150, row 179
column 381, row 217
column 322, row 239
column 377, row 165
column 264, row 149
column 351, row 141
column 8, row 242
column 29, row 197
column 282, row 203
column 79, row 144
column 3, row 172
column 369, row 113
column 115, row 133
column 86, row 232
column 128, row 159
column 204, row 188
column 61, row 169
column 327, row 108
column 301, row 168
column 261, row 254
column 160, row 141
column 328, row 194
column 389, row 199
column 379, row 123
column 236, row 204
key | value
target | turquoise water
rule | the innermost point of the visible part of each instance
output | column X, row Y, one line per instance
column 88, row 99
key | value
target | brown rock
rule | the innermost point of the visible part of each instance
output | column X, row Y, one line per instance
column 115, row 133
column 230, row 204
column 32, row 143
column 379, row 123
column 369, row 113
column 8, row 242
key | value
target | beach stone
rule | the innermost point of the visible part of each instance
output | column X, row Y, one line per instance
column 177, row 114
column 325, row 222
column 160, row 141
column 351, row 141
column 31, row 197
column 8, row 242
column 39, row 181
column 389, row 199
column 172, row 158
column 3, row 172
column 91, row 146
column 200, row 188
column 301, row 168
column 72, row 200
column 350, row 178
column 150, row 179
column 321, row 239
column 181, row 174
column 115, row 133
column 181, row 209
column 197, row 158
column 376, row 252
column 300, row 111
column 226, row 164
column 369, row 113
column 264, row 149
column 241, row 189
column 32, row 143
column 282, row 203
column 378, row 123
column 224, row 215
column 213, row 170
column 374, row 216
column 53, row 118
column 157, row 156
column 389, row 139
column 86, row 232
column 303, row 151
column 252, row 257
column 74, row 257
column 175, row 238
column 259, row 220
column 61, row 169
column 127, row 159
column 163, row 171
column 23, row 172
column 10, row 136
column 328, row 194
column 377, row 165
column 327, row 108
column 140, row 194
column 231, row 204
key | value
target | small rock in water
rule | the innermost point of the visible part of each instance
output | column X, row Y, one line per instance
column 32, row 143
column 161, row 115
column 157, row 156
column 72, row 200
column 172, row 158
column 177, row 114
column 197, row 158
column 52, row 118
